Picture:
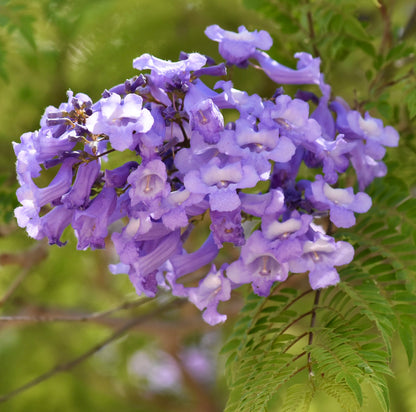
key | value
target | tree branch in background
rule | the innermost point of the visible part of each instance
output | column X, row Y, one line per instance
column 62, row 367
column 410, row 28
column 53, row 317
column 387, row 40
column 27, row 260
column 312, row 35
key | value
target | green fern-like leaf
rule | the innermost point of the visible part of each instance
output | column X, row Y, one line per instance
column 339, row 341
column 298, row 398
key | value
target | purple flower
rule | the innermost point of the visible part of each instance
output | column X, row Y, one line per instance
column 54, row 223
column 320, row 256
column 91, row 224
column 322, row 114
column 342, row 203
column 365, row 165
column 145, row 257
column 79, row 194
column 259, row 205
column 27, row 165
column 148, row 182
column 174, row 209
column 307, row 71
column 333, row 155
column 168, row 69
column 226, row 227
column 258, row 265
column 118, row 177
column 59, row 185
column 237, row 48
column 294, row 226
column 167, row 76
column 292, row 118
column 185, row 263
column 220, row 179
column 212, row 289
column 120, row 119
column 207, row 120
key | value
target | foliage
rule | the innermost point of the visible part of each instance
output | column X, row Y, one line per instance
column 15, row 16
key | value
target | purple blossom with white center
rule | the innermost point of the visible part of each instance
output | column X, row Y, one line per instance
column 292, row 118
column 260, row 205
column 167, row 76
column 366, row 167
column 258, row 265
column 342, row 203
column 120, row 119
column 220, row 179
column 264, row 141
column 207, row 120
column 320, row 256
column 237, row 48
column 174, row 208
column 286, row 235
column 333, row 155
column 168, row 69
column 354, row 126
column 212, row 289
column 148, row 182
column 294, row 226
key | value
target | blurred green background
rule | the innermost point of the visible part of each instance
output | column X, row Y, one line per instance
column 48, row 47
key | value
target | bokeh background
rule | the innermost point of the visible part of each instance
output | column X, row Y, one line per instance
column 169, row 361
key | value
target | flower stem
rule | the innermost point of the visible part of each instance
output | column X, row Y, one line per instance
column 312, row 324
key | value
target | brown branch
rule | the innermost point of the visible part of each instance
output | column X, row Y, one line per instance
column 410, row 27
column 312, row 324
column 312, row 34
column 387, row 39
column 15, row 284
column 26, row 260
column 62, row 367
column 73, row 318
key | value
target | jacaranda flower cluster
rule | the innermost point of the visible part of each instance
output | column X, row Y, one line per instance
column 188, row 163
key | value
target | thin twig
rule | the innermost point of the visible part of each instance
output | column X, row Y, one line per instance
column 19, row 279
column 74, row 318
column 410, row 27
column 62, row 367
column 312, row 324
column 387, row 39
column 26, row 260
column 312, row 34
